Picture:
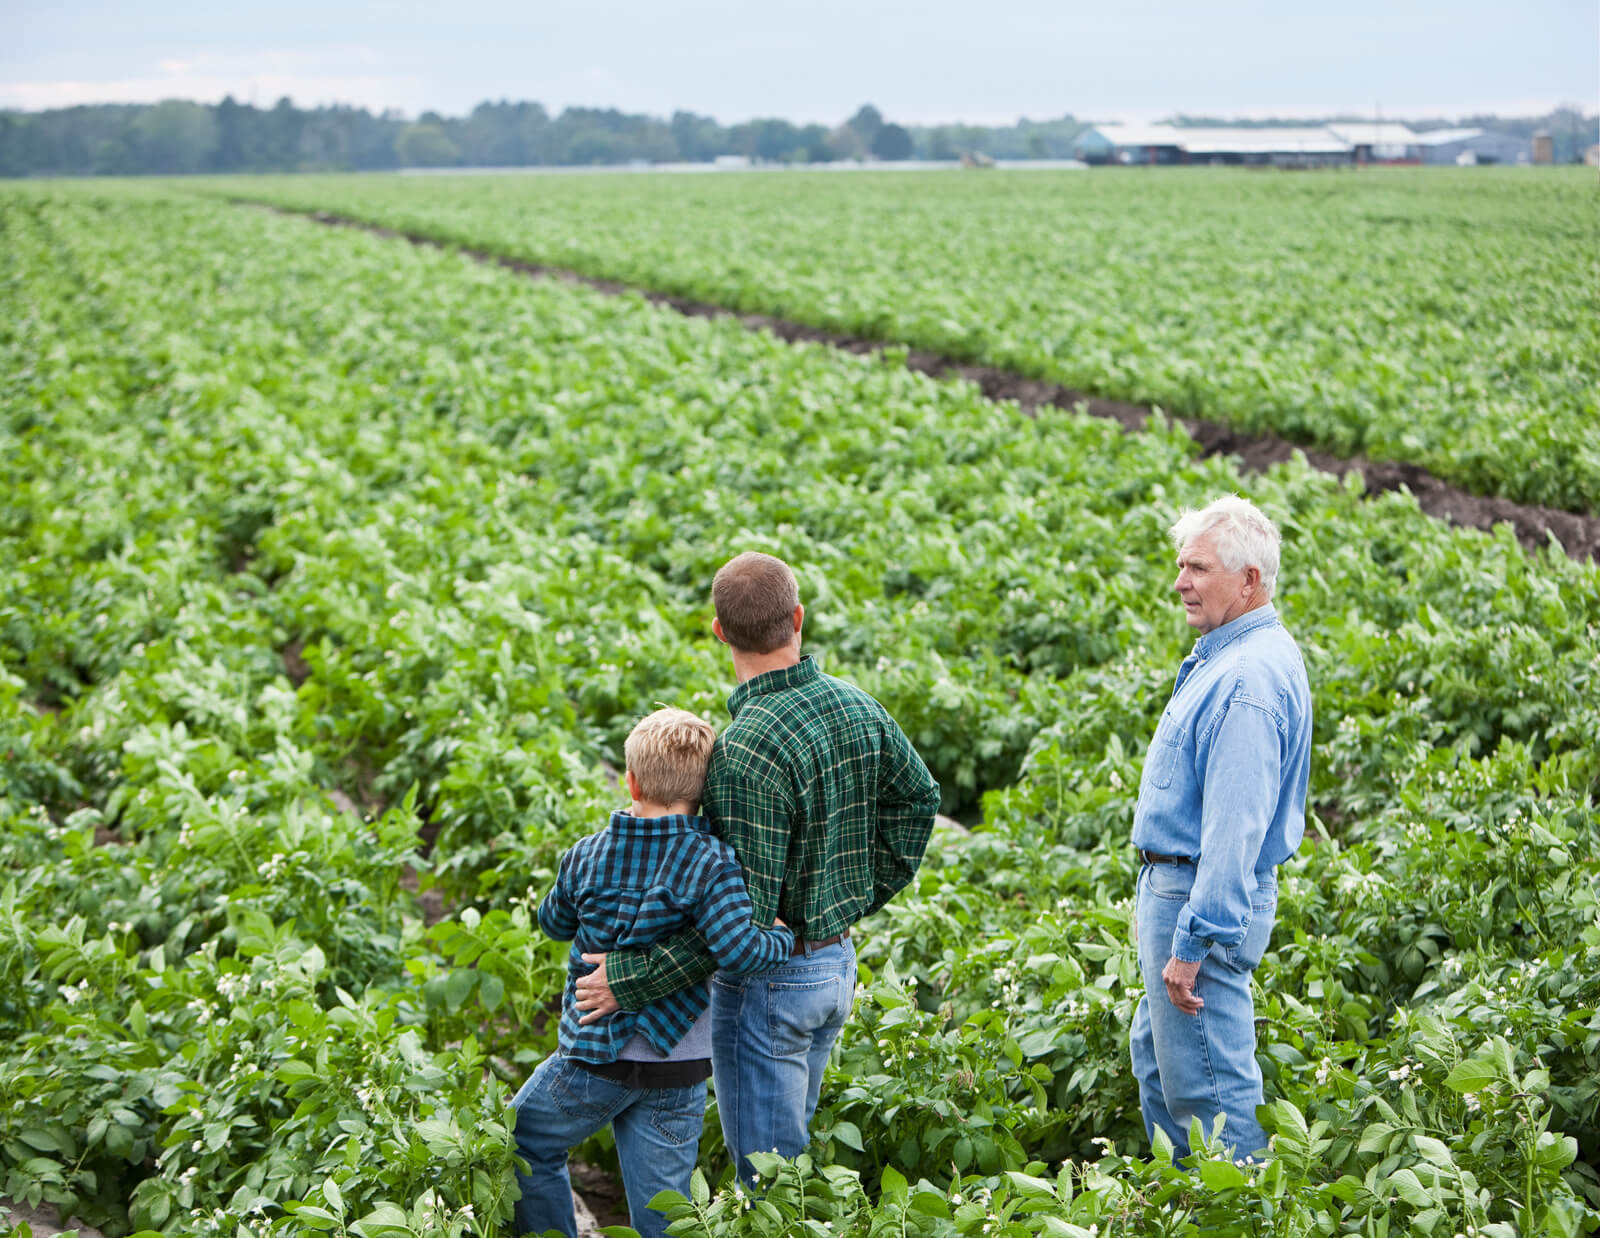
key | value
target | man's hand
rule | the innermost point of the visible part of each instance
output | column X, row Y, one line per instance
column 1179, row 977
column 593, row 994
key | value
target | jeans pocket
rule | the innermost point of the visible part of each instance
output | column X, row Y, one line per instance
column 1247, row 955
column 680, row 1114
column 581, row 1095
column 797, row 1011
column 1170, row 881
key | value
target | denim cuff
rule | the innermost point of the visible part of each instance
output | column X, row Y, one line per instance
column 1187, row 948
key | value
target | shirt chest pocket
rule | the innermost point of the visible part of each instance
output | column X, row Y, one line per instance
column 1165, row 753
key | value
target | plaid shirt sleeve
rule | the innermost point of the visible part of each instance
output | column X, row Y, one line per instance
column 724, row 915
column 557, row 916
column 908, row 798
column 755, row 821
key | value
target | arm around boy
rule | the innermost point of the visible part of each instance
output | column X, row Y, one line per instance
column 829, row 808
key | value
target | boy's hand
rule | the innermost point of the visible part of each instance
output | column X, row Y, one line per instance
column 779, row 922
column 592, row 994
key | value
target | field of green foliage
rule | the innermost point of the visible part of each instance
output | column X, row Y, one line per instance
column 326, row 560
column 1442, row 318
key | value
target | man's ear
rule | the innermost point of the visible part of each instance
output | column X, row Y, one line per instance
column 716, row 630
column 799, row 617
column 1252, row 579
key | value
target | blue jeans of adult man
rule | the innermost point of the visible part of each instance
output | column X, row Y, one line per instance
column 657, row 1132
column 771, row 1036
column 1203, row 1064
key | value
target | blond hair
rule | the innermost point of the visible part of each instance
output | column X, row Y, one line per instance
column 755, row 596
column 667, row 752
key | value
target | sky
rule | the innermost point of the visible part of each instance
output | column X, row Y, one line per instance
column 928, row 62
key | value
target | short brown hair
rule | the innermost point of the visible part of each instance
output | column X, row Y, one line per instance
column 755, row 596
column 667, row 752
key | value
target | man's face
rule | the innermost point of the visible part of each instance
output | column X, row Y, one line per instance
column 1211, row 594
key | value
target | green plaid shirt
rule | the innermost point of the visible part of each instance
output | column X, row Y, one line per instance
column 827, row 804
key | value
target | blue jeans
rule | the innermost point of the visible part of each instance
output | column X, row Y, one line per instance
column 771, row 1036
column 1203, row 1064
column 657, row 1132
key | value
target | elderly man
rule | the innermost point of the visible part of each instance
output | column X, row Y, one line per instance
column 829, row 809
column 1221, row 805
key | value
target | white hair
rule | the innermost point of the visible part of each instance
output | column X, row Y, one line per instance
column 1242, row 536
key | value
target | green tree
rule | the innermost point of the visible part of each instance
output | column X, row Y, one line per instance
column 426, row 145
column 892, row 143
column 175, row 136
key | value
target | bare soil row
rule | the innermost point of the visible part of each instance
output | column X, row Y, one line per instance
column 1578, row 535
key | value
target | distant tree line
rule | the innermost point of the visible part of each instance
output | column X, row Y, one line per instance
column 179, row 136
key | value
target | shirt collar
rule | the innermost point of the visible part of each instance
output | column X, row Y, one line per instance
column 802, row 672
column 677, row 823
column 1218, row 639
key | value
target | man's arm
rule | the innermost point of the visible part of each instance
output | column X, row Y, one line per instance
column 908, row 799
column 754, row 820
column 1242, row 780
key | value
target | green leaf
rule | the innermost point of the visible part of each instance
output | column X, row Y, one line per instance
column 1472, row 1075
column 1221, row 1175
column 1409, row 1188
column 1434, row 1150
column 491, row 990
column 698, row 1191
column 893, row 1183
column 458, row 985
column 930, row 1202
column 293, row 1071
column 849, row 1134
column 1029, row 1185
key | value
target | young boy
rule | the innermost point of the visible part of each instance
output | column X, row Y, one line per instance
column 653, row 870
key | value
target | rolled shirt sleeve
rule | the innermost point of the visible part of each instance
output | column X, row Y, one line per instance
column 1243, row 775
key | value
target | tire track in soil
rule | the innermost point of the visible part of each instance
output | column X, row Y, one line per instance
column 1578, row 534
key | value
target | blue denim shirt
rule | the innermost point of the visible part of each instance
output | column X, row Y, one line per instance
column 1225, row 778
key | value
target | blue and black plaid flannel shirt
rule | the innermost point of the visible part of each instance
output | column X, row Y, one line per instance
column 638, row 880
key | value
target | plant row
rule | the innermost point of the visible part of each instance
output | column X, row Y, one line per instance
column 1431, row 317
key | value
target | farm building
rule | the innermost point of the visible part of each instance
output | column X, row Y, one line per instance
column 1129, row 144
column 1314, row 146
column 1379, row 141
column 1466, row 147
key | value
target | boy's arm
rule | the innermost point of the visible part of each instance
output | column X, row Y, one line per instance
column 558, row 917
column 723, row 915
column 754, row 821
column 908, row 799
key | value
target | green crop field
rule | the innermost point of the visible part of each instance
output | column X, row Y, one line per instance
column 327, row 560
column 1438, row 317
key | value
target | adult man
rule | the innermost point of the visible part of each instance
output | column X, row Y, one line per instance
column 1221, row 805
column 829, row 809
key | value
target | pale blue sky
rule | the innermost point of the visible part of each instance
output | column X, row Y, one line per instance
column 920, row 63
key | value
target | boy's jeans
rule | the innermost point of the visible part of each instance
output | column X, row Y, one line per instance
column 771, row 1035
column 1204, row 1064
column 657, row 1132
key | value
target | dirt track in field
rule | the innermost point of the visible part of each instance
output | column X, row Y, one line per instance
column 1578, row 534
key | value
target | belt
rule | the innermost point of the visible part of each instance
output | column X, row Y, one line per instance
column 802, row 946
column 1151, row 857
